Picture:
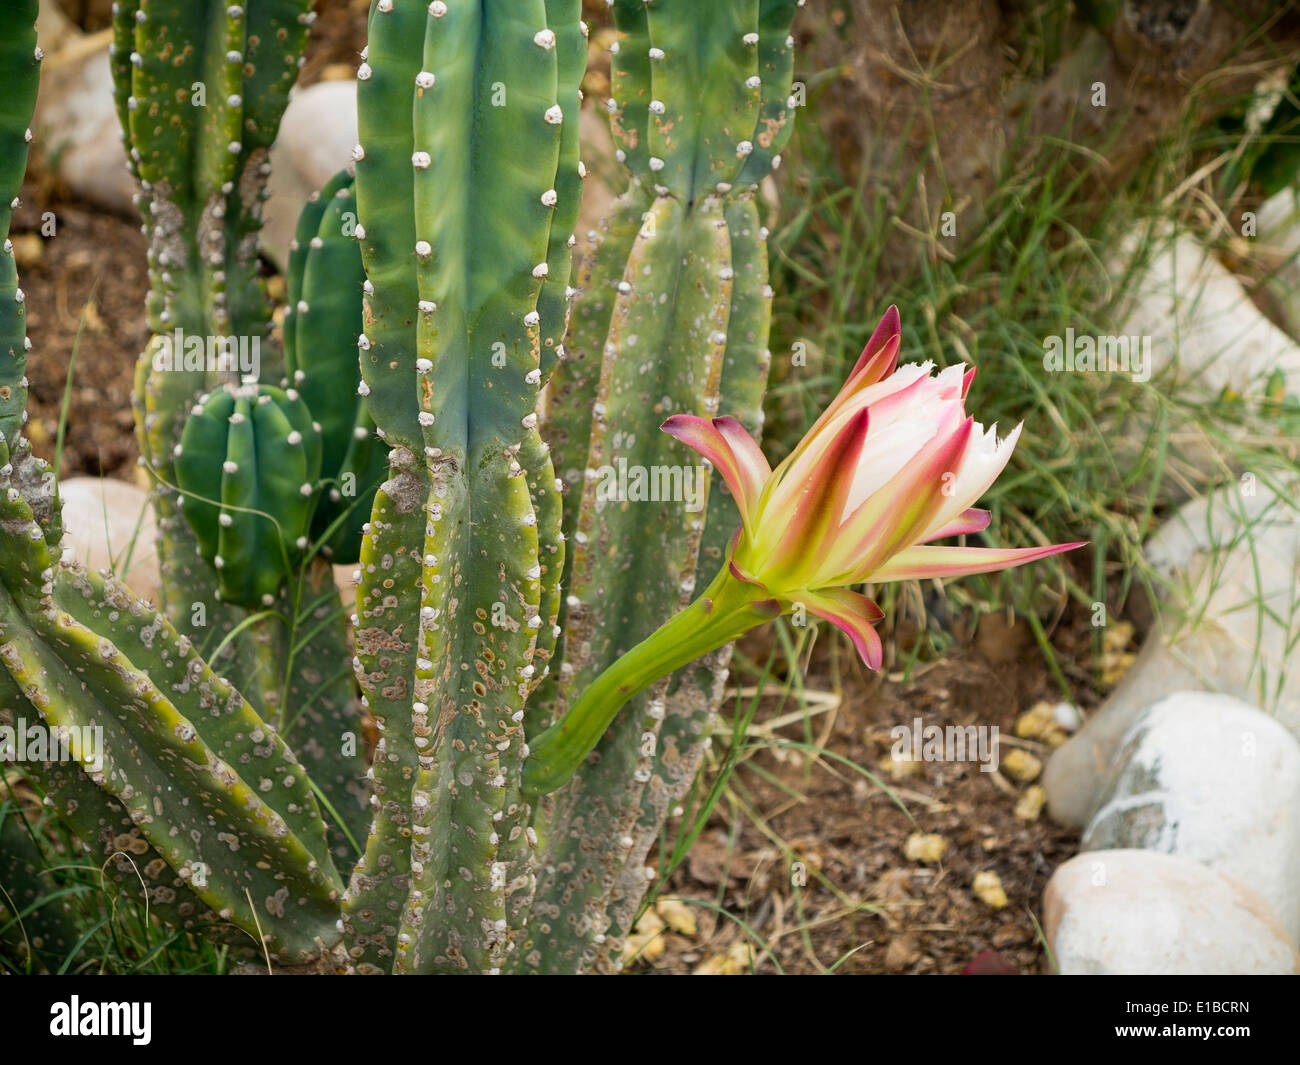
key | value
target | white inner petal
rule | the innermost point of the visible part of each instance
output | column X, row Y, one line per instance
column 984, row 460
column 889, row 448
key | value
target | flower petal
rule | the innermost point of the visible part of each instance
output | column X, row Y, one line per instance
column 982, row 464
column 810, row 522
column 753, row 463
column 855, row 614
column 901, row 511
column 907, row 409
column 880, row 356
column 917, row 563
column 968, row 521
column 732, row 451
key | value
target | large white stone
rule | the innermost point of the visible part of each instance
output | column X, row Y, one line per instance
column 102, row 520
column 1277, row 245
column 1135, row 912
column 1229, row 622
column 1211, row 778
column 1203, row 324
column 315, row 141
column 1206, row 334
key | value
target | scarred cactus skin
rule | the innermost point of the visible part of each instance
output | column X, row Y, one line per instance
column 204, row 795
column 322, row 325
column 248, row 465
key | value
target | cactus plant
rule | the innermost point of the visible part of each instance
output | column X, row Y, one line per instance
column 475, row 624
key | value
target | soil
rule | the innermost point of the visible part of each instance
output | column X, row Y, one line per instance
column 865, row 905
column 85, row 288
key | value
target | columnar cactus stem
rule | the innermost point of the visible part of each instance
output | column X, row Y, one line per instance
column 458, row 207
column 700, row 91
column 19, row 60
column 321, row 325
column 248, row 463
column 574, row 386
column 200, row 90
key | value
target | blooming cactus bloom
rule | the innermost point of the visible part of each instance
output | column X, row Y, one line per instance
column 893, row 464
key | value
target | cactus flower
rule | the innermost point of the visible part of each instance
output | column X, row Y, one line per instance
column 892, row 465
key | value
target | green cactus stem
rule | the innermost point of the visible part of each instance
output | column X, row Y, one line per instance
column 472, row 186
column 20, row 63
column 321, row 326
column 248, row 464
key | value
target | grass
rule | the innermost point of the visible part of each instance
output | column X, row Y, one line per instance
column 114, row 933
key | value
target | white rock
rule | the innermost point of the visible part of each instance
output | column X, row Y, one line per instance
column 1203, row 323
column 1213, row 779
column 1131, row 912
column 1229, row 622
column 1277, row 244
column 1206, row 334
column 109, row 524
column 76, row 125
column 315, row 142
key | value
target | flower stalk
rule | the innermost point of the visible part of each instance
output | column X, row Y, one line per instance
column 727, row 610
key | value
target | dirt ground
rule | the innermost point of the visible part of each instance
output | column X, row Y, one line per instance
column 866, row 904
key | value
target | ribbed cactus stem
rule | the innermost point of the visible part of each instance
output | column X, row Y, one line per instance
column 700, row 108
column 463, row 109
column 20, row 62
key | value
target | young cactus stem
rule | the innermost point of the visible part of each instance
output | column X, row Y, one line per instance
column 727, row 610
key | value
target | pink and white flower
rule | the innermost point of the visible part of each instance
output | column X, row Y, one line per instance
column 893, row 464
